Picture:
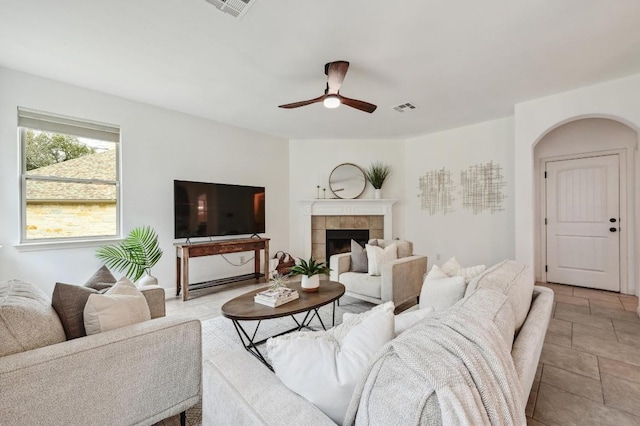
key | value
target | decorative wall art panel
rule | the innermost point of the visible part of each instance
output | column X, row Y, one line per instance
column 436, row 191
column 482, row 188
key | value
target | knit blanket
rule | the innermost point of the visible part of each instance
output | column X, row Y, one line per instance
column 453, row 369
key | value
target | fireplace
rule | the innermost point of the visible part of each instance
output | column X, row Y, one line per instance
column 364, row 227
column 339, row 240
column 360, row 214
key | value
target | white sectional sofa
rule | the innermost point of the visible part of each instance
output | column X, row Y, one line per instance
column 239, row 390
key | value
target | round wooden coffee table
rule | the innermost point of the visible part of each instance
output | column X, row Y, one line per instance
column 243, row 308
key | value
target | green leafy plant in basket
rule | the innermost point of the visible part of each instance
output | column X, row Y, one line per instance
column 135, row 255
column 377, row 173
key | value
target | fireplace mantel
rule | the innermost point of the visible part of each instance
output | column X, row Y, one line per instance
column 339, row 207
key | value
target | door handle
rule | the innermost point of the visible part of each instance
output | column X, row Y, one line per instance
column 612, row 220
column 613, row 229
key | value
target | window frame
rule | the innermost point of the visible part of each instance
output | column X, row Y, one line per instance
column 66, row 125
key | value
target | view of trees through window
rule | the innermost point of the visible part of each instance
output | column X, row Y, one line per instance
column 70, row 186
column 45, row 148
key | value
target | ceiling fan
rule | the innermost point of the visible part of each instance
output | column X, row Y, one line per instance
column 332, row 98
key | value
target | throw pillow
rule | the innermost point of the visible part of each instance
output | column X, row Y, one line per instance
column 101, row 279
column 495, row 306
column 378, row 255
column 359, row 262
column 27, row 320
column 69, row 302
column 402, row 321
column 471, row 272
column 516, row 282
column 453, row 269
column 405, row 248
column 474, row 282
column 406, row 320
column 436, row 273
column 441, row 292
column 121, row 305
column 350, row 321
column 324, row 369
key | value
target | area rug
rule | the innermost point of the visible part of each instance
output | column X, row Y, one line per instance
column 219, row 335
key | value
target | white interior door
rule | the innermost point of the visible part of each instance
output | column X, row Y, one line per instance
column 583, row 215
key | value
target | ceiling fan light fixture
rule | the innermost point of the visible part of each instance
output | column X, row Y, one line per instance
column 331, row 101
column 332, row 98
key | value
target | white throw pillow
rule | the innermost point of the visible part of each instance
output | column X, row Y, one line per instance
column 471, row 272
column 122, row 305
column 436, row 273
column 441, row 292
column 378, row 255
column 453, row 269
column 350, row 321
column 406, row 320
column 402, row 321
column 324, row 367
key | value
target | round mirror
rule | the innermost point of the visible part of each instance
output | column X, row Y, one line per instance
column 347, row 181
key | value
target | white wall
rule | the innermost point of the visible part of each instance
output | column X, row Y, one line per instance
column 485, row 238
column 534, row 119
column 586, row 135
column 158, row 146
column 311, row 163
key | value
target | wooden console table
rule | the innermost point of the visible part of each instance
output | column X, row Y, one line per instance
column 185, row 251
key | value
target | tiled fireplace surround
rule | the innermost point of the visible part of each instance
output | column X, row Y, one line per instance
column 320, row 215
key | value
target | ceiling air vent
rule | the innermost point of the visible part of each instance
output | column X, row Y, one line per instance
column 404, row 107
column 235, row 8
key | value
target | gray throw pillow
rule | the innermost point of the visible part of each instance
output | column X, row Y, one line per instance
column 69, row 302
column 101, row 279
column 27, row 320
column 359, row 261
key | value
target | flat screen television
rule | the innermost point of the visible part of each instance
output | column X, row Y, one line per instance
column 215, row 209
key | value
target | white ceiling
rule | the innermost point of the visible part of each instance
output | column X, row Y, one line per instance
column 459, row 61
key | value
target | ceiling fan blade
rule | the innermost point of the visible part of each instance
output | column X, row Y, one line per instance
column 335, row 75
column 361, row 105
column 303, row 103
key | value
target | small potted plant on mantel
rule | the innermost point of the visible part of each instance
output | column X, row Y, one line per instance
column 376, row 174
column 310, row 271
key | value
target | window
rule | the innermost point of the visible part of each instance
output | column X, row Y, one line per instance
column 70, row 187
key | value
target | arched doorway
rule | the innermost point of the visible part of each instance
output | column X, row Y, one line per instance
column 583, row 182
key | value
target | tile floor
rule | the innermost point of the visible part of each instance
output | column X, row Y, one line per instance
column 589, row 371
column 206, row 304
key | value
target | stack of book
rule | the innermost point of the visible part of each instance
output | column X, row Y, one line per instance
column 277, row 297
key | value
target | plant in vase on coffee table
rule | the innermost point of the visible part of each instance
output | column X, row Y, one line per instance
column 310, row 271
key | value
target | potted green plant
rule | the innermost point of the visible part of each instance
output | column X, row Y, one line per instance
column 135, row 255
column 376, row 174
column 310, row 271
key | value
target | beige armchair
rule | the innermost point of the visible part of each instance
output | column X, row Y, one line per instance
column 400, row 280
